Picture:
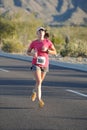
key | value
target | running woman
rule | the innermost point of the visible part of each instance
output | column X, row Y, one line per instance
column 40, row 49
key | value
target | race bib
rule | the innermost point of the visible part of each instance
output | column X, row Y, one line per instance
column 41, row 60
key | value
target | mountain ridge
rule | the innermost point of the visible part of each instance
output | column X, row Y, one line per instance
column 58, row 12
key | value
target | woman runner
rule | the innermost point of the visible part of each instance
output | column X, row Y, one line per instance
column 40, row 50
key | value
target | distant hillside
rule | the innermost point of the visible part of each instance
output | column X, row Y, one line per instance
column 53, row 12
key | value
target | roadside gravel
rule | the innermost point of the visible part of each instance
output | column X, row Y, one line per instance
column 73, row 60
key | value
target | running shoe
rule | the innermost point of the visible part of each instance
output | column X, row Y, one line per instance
column 41, row 103
column 33, row 96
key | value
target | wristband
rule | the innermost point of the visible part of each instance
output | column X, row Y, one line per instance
column 47, row 51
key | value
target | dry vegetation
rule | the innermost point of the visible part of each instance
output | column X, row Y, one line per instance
column 68, row 40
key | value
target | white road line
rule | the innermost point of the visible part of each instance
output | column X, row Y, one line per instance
column 78, row 93
column 3, row 70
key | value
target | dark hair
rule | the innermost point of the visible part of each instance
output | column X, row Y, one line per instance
column 46, row 35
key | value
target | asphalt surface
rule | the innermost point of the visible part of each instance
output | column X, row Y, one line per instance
column 53, row 61
column 64, row 92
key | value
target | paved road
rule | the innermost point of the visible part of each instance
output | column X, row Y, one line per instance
column 64, row 93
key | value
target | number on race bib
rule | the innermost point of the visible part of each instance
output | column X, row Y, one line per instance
column 41, row 60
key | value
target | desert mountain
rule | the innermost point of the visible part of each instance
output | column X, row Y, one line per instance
column 53, row 12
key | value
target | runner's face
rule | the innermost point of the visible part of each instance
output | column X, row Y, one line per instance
column 41, row 33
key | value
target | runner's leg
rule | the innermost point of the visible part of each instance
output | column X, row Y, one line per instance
column 37, row 75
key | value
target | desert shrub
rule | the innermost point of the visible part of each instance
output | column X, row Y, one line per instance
column 58, row 41
column 81, row 48
column 76, row 48
column 10, row 45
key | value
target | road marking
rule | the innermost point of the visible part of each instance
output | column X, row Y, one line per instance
column 3, row 70
column 78, row 93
